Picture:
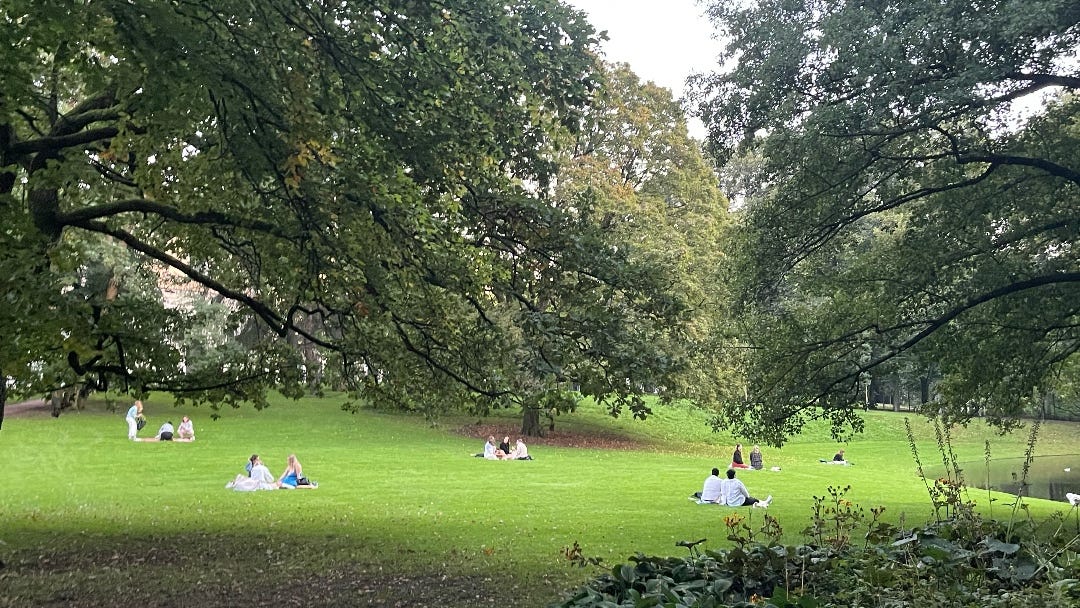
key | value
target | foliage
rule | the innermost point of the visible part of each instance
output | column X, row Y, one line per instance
column 916, row 192
column 634, row 170
column 369, row 181
column 961, row 561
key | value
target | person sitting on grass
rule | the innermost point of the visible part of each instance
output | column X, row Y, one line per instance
column 735, row 493
column 503, row 451
column 839, row 457
column 258, row 477
column 186, row 430
column 293, row 476
column 165, row 433
column 489, row 449
column 737, row 459
column 520, row 451
column 710, row 491
column 756, row 461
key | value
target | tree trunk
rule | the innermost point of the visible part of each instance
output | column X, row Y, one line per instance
column 924, row 389
column 530, row 422
column 3, row 397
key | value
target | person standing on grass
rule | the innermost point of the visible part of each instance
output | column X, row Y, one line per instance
column 132, row 419
column 735, row 493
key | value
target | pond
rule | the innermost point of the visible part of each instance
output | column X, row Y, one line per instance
column 1048, row 476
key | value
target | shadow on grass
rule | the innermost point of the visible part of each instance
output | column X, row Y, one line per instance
column 210, row 571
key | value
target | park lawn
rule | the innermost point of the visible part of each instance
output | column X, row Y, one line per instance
column 404, row 515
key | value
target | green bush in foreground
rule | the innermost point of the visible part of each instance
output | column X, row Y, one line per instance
column 963, row 561
column 959, row 560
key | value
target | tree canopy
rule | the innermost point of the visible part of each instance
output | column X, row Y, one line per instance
column 373, row 180
column 917, row 172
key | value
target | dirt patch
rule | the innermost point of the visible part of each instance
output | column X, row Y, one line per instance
column 22, row 408
column 564, row 439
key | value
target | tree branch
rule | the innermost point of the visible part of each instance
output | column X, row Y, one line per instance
column 936, row 324
column 79, row 217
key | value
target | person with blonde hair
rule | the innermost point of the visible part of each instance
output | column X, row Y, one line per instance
column 756, row 461
column 134, row 413
column 293, row 476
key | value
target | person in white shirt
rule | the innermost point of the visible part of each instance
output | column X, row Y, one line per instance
column 186, row 430
column 710, row 491
column 258, row 478
column 489, row 449
column 735, row 494
column 520, row 451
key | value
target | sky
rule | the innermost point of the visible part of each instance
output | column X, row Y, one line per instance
column 663, row 40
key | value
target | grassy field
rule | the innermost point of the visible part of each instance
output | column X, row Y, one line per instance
column 403, row 515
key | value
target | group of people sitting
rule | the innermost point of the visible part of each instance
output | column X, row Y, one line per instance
column 259, row 477
column 730, row 492
column 503, row 450
column 185, row 432
column 756, row 460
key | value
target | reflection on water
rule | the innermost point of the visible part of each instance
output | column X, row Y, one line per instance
column 1048, row 476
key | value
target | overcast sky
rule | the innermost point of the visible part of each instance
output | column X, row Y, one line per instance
column 663, row 40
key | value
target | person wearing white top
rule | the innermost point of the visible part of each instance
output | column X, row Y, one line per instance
column 131, row 418
column 186, row 430
column 735, row 493
column 258, row 478
column 710, row 492
column 520, row 451
column 489, row 449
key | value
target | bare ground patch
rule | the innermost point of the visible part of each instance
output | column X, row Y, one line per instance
column 557, row 438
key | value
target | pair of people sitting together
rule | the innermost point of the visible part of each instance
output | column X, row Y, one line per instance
column 186, row 432
column 503, row 451
column 730, row 492
column 259, row 477
column 756, row 461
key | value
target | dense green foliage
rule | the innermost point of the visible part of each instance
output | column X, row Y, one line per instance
column 371, row 181
column 913, row 201
column 962, row 562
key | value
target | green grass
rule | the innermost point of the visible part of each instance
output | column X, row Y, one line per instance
column 84, row 509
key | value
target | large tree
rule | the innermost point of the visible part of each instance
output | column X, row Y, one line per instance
column 371, row 178
column 917, row 171
column 654, row 193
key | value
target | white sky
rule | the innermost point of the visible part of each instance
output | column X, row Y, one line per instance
column 663, row 40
